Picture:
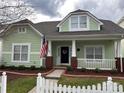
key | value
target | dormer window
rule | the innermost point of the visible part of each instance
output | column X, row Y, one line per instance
column 78, row 22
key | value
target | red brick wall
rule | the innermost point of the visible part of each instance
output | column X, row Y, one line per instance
column 118, row 64
column 49, row 62
column 74, row 62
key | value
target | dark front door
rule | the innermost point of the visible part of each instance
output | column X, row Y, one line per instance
column 64, row 54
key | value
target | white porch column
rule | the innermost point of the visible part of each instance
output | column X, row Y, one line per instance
column 49, row 48
column 118, row 48
column 73, row 48
column 118, row 52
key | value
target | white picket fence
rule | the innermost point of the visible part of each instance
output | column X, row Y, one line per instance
column 3, row 83
column 45, row 86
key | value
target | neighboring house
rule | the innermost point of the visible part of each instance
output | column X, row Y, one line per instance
column 80, row 40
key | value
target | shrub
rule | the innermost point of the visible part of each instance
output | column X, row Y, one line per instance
column 97, row 70
column 21, row 67
column 2, row 66
column 12, row 67
column 83, row 69
column 42, row 68
column 114, row 71
column 32, row 68
column 69, row 68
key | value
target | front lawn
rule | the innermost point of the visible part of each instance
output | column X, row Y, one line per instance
column 84, row 81
column 21, row 85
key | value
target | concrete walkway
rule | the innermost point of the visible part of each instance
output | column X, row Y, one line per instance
column 56, row 74
column 52, row 77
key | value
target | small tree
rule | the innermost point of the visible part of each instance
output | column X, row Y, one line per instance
column 13, row 10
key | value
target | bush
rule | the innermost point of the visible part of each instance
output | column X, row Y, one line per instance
column 12, row 67
column 32, row 68
column 83, row 69
column 114, row 71
column 69, row 68
column 42, row 68
column 21, row 67
column 97, row 70
column 2, row 66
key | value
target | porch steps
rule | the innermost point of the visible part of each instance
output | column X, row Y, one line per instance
column 56, row 74
column 60, row 67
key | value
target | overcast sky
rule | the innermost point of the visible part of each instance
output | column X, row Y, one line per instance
column 57, row 9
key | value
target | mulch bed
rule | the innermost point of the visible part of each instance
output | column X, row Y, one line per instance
column 92, row 72
column 11, row 76
column 26, row 71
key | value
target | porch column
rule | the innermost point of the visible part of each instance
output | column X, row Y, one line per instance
column 49, row 48
column 49, row 58
column 74, row 58
column 118, row 56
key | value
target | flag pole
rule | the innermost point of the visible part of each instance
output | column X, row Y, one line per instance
column 44, row 50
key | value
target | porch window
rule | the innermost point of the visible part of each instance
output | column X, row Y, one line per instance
column 95, row 52
column 21, row 52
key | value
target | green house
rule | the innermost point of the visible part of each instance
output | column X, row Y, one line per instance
column 80, row 40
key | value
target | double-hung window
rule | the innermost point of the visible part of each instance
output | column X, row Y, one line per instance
column 78, row 23
column 74, row 22
column 94, row 52
column 21, row 52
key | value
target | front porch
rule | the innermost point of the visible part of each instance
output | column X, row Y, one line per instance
column 89, row 54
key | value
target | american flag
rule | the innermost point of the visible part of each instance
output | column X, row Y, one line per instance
column 44, row 48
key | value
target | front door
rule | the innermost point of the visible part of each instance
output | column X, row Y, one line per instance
column 64, row 55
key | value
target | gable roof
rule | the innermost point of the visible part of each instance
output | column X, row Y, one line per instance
column 50, row 28
column 21, row 22
column 79, row 11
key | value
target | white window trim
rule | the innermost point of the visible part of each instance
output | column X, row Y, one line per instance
column 21, row 28
column 79, row 29
column 29, row 50
column 103, row 49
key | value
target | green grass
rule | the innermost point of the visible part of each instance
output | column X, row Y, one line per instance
column 21, row 85
column 84, row 81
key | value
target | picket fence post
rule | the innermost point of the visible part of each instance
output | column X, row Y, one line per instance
column 38, row 84
column 3, row 82
column 109, row 84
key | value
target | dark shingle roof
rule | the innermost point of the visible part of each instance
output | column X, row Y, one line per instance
column 50, row 29
column 79, row 10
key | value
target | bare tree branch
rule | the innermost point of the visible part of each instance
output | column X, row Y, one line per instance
column 14, row 10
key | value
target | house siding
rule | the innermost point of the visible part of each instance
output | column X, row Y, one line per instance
column 12, row 36
column 65, row 26
column 93, row 25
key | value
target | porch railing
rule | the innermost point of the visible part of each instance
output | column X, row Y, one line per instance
column 105, row 64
